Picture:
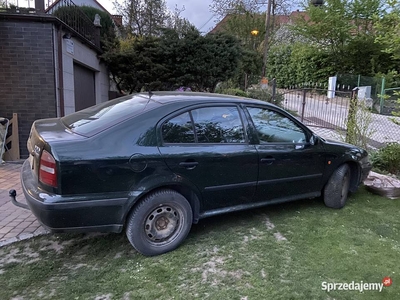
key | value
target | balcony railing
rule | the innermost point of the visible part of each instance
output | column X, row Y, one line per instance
column 72, row 15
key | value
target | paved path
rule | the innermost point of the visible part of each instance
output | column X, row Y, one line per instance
column 15, row 223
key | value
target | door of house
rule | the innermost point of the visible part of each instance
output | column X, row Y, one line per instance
column 84, row 87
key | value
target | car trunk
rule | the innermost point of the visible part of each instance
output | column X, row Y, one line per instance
column 44, row 134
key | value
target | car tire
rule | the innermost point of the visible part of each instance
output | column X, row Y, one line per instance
column 337, row 188
column 159, row 223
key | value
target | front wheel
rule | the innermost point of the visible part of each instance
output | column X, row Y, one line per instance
column 337, row 188
column 159, row 223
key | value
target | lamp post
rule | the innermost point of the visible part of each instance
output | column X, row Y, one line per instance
column 266, row 37
column 254, row 33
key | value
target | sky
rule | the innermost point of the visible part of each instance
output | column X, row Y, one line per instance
column 196, row 11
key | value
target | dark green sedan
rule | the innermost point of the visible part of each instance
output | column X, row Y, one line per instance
column 154, row 163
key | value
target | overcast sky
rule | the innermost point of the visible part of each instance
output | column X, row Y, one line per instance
column 196, row 11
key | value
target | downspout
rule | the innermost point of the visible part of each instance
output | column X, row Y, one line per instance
column 60, row 73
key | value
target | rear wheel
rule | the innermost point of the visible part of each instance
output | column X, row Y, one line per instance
column 337, row 188
column 159, row 223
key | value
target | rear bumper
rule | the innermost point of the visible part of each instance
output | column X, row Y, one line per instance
column 77, row 213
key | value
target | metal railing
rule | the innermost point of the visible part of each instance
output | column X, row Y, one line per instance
column 73, row 16
column 330, row 116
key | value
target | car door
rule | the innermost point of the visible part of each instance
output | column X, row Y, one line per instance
column 290, row 166
column 208, row 147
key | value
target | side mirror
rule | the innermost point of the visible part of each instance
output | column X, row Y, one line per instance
column 313, row 139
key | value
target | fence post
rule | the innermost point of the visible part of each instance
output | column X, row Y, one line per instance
column 352, row 118
column 303, row 104
column 382, row 100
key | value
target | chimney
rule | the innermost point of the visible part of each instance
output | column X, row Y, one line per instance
column 117, row 20
column 39, row 6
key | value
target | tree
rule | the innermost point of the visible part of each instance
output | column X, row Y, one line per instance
column 337, row 37
column 174, row 59
column 143, row 17
column 388, row 29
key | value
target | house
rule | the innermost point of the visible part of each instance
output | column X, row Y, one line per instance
column 48, row 68
column 276, row 20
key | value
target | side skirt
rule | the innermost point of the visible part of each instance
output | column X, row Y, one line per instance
column 225, row 210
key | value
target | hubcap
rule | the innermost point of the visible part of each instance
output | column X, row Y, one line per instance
column 162, row 224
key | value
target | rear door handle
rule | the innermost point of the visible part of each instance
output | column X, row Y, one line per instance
column 267, row 160
column 189, row 165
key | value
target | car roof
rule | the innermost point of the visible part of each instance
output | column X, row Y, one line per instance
column 166, row 97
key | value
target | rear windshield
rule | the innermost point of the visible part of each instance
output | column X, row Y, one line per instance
column 92, row 120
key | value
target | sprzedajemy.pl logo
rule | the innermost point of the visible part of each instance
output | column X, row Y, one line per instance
column 356, row 286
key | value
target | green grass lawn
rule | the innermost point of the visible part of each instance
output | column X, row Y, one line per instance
column 277, row 252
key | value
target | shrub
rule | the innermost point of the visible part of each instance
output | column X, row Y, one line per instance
column 387, row 159
column 233, row 92
column 266, row 95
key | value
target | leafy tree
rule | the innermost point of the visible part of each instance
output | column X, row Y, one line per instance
column 174, row 59
column 388, row 29
column 143, row 17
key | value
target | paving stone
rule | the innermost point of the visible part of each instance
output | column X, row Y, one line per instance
column 15, row 223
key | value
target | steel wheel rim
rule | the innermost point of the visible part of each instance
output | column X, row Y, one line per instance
column 163, row 224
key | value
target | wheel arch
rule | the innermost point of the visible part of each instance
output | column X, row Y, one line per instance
column 191, row 196
column 354, row 173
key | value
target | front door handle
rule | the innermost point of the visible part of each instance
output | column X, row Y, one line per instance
column 189, row 165
column 267, row 160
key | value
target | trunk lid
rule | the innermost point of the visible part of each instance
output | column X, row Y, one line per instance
column 45, row 133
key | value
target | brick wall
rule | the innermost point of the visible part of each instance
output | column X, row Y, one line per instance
column 27, row 84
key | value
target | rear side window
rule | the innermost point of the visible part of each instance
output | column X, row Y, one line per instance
column 92, row 120
column 178, row 130
column 218, row 125
column 210, row 125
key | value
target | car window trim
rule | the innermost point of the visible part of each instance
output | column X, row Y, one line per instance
column 197, row 106
column 306, row 131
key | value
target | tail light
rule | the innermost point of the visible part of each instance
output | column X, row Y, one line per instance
column 47, row 169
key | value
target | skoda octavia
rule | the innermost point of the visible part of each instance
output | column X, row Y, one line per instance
column 154, row 163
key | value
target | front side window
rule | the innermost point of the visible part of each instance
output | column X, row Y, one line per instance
column 178, row 130
column 273, row 127
column 218, row 125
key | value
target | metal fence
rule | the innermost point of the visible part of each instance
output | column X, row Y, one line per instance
column 73, row 16
column 327, row 113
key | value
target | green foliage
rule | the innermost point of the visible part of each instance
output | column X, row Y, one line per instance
column 172, row 60
column 243, row 23
column 387, row 159
column 107, row 30
column 68, row 14
column 233, row 92
column 299, row 62
column 249, row 69
column 266, row 95
column 263, row 95
column 336, row 38
column 388, row 29
column 358, row 124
